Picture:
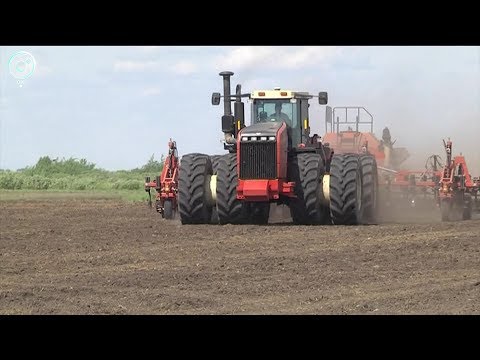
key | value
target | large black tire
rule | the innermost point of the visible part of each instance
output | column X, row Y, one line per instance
column 168, row 212
column 346, row 190
column 215, row 159
column 369, row 172
column 230, row 210
column 307, row 170
column 194, row 188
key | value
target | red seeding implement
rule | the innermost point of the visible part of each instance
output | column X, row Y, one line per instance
column 448, row 186
column 345, row 135
column 349, row 130
column 166, row 185
column 458, row 191
column 409, row 189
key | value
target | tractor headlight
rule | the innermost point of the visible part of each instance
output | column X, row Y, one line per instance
column 271, row 138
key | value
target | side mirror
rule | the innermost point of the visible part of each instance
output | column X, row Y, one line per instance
column 216, row 98
column 323, row 98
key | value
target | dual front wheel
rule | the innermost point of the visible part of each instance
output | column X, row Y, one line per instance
column 197, row 204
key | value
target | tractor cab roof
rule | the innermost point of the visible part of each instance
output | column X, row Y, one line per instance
column 278, row 94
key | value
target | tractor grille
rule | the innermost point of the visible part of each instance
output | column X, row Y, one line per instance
column 258, row 160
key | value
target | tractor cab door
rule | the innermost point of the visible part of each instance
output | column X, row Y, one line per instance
column 304, row 121
column 299, row 132
column 294, row 128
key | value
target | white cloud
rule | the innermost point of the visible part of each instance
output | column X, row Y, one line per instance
column 309, row 55
column 184, row 67
column 131, row 65
column 151, row 91
column 244, row 57
column 276, row 57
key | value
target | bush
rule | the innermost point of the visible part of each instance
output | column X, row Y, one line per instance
column 51, row 167
column 60, row 183
column 151, row 167
column 36, row 182
column 74, row 174
column 11, row 181
column 131, row 185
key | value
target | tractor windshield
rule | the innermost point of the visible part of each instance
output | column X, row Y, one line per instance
column 274, row 110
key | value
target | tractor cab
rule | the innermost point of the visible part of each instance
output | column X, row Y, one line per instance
column 284, row 106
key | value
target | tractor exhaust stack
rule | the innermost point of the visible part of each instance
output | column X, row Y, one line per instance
column 228, row 121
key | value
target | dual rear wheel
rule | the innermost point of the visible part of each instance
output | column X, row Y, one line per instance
column 353, row 189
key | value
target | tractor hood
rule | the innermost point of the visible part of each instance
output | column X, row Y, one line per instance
column 267, row 129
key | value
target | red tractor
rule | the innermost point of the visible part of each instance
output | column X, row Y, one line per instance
column 166, row 185
column 274, row 160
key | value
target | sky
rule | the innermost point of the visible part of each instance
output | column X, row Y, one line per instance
column 117, row 106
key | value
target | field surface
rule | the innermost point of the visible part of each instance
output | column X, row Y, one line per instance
column 94, row 255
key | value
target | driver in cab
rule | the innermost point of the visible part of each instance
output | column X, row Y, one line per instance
column 278, row 115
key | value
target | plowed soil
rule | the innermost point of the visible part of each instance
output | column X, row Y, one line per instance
column 87, row 256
